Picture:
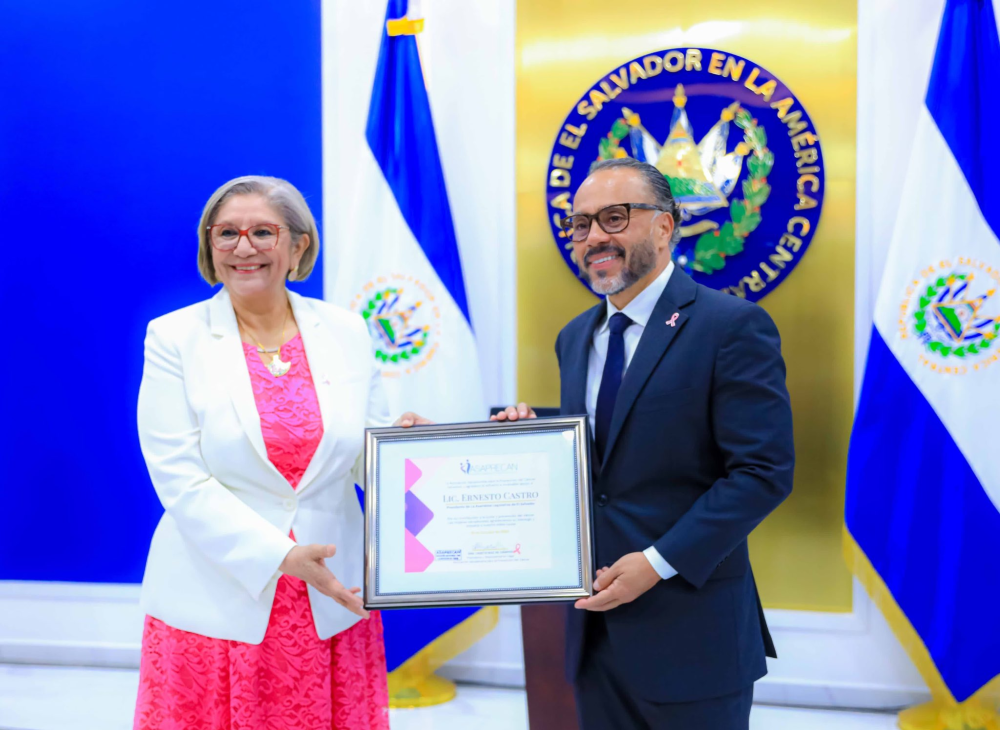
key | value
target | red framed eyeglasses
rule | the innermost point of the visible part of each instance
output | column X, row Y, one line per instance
column 262, row 236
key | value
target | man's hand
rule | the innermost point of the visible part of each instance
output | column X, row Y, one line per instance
column 513, row 413
column 412, row 419
column 623, row 582
column 308, row 562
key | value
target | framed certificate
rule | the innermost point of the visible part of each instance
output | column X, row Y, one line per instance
column 477, row 514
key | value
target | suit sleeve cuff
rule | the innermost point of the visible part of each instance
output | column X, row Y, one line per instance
column 661, row 566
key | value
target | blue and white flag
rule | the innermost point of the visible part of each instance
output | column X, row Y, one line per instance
column 923, row 482
column 400, row 268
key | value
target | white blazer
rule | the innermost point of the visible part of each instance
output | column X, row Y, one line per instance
column 213, row 562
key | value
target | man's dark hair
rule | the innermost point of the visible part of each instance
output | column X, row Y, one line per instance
column 657, row 182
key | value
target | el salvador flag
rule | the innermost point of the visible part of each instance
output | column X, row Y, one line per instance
column 923, row 478
column 400, row 268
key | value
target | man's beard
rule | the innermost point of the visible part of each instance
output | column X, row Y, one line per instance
column 636, row 265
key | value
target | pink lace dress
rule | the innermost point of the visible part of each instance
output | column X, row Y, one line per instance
column 292, row 680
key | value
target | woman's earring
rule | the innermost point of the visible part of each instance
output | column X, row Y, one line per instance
column 293, row 274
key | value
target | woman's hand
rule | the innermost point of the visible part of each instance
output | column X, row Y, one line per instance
column 412, row 419
column 514, row 413
column 308, row 562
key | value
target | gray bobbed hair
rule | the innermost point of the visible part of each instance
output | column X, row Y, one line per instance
column 283, row 197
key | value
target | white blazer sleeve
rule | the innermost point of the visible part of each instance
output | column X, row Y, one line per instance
column 227, row 531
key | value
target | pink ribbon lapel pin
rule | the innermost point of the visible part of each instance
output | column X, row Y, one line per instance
column 673, row 319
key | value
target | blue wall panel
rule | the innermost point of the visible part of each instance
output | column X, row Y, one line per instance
column 117, row 121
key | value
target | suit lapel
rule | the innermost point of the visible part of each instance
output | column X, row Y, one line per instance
column 232, row 362
column 575, row 361
column 325, row 364
column 656, row 339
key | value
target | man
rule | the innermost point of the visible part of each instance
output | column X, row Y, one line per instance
column 685, row 391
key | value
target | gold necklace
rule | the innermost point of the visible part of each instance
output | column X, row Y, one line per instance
column 277, row 367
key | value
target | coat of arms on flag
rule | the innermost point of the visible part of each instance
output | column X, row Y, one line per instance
column 404, row 321
column 953, row 311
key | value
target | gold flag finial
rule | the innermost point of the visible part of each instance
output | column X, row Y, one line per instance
column 404, row 26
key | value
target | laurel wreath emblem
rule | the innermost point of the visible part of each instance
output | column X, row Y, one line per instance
column 713, row 247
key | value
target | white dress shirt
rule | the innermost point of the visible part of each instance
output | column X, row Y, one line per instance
column 639, row 311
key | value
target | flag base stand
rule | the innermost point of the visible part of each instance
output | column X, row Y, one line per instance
column 977, row 713
column 425, row 690
column 971, row 715
column 414, row 684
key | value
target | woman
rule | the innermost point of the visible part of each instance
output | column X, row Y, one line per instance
column 251, row 416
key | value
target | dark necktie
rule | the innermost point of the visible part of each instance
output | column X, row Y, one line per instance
column 611, row 381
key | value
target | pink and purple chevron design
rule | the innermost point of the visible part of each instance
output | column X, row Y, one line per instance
column 417, row 558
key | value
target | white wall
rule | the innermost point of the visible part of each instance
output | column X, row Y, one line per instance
column 85, row 624
column 846, row 660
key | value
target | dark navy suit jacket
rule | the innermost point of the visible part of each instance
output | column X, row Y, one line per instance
column 699, row 452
